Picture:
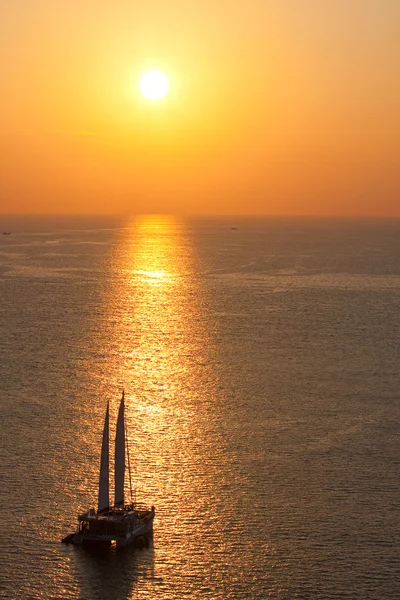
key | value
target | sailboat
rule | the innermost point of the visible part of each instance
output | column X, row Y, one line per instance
column 119, row 523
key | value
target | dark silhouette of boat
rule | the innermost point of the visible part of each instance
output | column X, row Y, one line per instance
column 121, row 523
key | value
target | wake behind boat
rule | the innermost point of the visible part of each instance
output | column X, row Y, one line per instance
column 121, row 523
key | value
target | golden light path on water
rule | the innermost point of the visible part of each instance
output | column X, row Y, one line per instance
column 158, row 346
column 160, row 337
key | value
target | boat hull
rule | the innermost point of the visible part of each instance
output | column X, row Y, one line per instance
column 140, row 530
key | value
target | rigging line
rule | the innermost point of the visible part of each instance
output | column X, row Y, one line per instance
column 129, row 460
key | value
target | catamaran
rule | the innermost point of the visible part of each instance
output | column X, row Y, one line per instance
column 119, row 523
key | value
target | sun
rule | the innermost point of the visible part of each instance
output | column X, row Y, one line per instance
column 154, row 85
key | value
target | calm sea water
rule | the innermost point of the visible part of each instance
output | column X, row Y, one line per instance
column 261, row 364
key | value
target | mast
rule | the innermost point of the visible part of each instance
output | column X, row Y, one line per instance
column 129, row 462
column 103, row 499
column 120, row 456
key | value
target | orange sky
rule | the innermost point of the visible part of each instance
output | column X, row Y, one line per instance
column 276, row 107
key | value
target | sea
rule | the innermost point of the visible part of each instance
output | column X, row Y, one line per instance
column 260, row 360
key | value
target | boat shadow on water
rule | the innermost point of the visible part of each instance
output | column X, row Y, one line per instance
column 110, row 572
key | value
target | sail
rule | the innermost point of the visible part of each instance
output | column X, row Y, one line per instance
column 120, row 456
column 104, row 500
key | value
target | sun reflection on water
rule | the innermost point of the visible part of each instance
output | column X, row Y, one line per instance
column 159, row 340
column 157, row 343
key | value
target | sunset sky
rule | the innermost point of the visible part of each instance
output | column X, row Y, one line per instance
column 275, row 107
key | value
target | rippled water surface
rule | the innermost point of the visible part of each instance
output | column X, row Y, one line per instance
column 260, row 361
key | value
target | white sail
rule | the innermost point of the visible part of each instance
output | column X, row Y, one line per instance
column 120, row 456
column 104, row 500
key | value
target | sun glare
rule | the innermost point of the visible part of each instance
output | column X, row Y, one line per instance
column 154, row 85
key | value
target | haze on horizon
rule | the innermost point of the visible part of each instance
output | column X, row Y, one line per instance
column 275, row 107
